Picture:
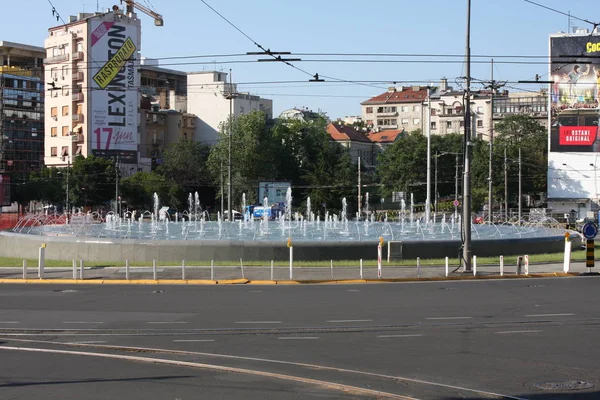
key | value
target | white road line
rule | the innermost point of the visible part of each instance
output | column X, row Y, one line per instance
column 9, row 322
column 507, row 332
column 299, row 338
column 349, row 320
column 449, row 318
column 550, row 315
column 400, row 336
column 257, row 322
column 82, row 322
column 194, row 340
column 166, row 322
column 88, row 342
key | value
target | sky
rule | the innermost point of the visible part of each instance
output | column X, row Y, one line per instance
column 426, row 37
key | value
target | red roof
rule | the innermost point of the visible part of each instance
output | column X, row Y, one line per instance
column 385, row 136
column 343, row 132
column 407, row 95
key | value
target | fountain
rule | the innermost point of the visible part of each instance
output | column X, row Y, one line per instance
column 336, row 237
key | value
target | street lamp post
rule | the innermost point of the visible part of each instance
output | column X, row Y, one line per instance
column 230, row 96
column 466, row 211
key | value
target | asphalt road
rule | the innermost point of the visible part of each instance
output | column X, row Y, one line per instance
column 430, row 340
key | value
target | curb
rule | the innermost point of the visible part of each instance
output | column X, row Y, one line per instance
column 245, row 281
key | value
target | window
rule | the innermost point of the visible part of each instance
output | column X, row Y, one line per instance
column 479, row 110
column 79, row 149
column 449, row 111
column 479, row 123
column 65, row 131
column 369, row 110
column 79, row 108
column 433, row 111
column 53, row 131
column 404, row 121
column 241, row 110
column 416, row 121
column 434, row 125
column 461, row 124
column 404, row 108
column 65, row 71
column 65, row 110
column 53, row 73
column 65, row 90
column 415, row 108
column 65, row 151
column 52, row 151
column 54, row 111
column 449, row 124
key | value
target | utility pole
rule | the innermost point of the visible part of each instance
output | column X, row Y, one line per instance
column 505, row 185
column 230, row 96
column 67, row 205
column 456, row 189
column 520, row 183
column 116, row 185
column 466, row 210
column 435, row 191
column 490, row 175
column 428, row 197
column 222, row 190
column 359, row 196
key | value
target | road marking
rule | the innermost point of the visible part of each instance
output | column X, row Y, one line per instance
column 88, row 342
column 349, row 320
column 9, row 322
column 550, row 315
column 82, row 322
column 507, row 332
column 320, row 383
column 393, row 336
column 166, row 322
column 194, row 340
column 255, row 291
column 257, row 322
column 299, row 338
column 352, row 290
column 449, row 318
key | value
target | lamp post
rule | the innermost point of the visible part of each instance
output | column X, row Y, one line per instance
column 230, row 96
column 466, row 211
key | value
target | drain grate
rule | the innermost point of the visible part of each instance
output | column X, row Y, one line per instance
column 564, row 385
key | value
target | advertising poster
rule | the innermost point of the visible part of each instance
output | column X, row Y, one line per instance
column 114, row 90
column 575, row 93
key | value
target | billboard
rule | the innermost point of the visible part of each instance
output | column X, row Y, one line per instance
column 274, row 191
column 114, row 47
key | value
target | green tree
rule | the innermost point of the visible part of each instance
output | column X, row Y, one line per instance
column 138, row 191
column 184, row 163
column 92, row 181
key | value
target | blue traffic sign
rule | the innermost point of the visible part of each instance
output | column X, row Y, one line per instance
column 590, row 230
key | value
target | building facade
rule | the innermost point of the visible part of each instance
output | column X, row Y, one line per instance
column 398, row 108
column 21, row 108
column 211, row 98
column 92, row 88
column 357, row 143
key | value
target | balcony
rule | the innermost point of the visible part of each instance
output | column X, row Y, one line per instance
column 77, row 96
column 77, row 137
column 78, row 76
column 77, row 117
column 387, row 114
column 78, row 55
column 388, row 126
column 56, row 59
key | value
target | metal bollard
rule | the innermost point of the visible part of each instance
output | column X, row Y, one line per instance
column 183, row 270
column 74, row 270
column 519, row 265
column 212, row 270
column 419, row 267
column 271, row 269
column 81, row 268
column 154, row 269
column 127, row 269
column 24, row 269
column 361, row 268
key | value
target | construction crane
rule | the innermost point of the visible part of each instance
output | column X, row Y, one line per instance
column 158, row 19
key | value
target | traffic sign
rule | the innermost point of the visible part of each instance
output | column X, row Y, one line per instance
column 590, row 230
column 455, row 203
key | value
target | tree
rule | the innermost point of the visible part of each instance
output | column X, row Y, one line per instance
column 92, row 181
column 138, row 191
column 184, row 163
column 46, row 185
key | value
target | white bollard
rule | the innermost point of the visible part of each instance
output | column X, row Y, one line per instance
column 361, row 268
column 474, row 265
column 24, row 269
column 446, row 266
column 127, row 269
column 526, row 264
column 242, row 266
column 74, row 270
column 271, row 269
column 212, row 270
column 567, row 259
column 154, row 269
column 81, row 269
column 41, row 260
column 291, row 263
column 183, row 270
column 331, row 269
column 419, row 267
column 379, row 271
column 501, row 265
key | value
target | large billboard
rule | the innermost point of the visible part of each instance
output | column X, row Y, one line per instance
column 114, row 47
column 574, row 142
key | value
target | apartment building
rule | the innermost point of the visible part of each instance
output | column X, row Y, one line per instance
column 161, row 128
column 398, row 108
column 357, row 143
column 211, row 98
column 92, row 88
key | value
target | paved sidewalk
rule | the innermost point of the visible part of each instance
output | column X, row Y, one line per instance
column 280, row 273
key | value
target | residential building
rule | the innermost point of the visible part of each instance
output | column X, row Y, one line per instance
column 166, row 87
column 357, row 143
column 213, row 100
column 21, row 109
column 447, row 113
column 161, row 128
column 398, row 108
column 383, row 139
column 533, row 104
column 92, row 96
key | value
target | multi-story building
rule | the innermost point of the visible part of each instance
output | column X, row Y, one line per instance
column 358, row 144
column 161, row 128
column 448, row 113
column 167, row 87
column 398, row 108
column 21, row 108
column 92, row 82
column 211, row 98
column 533, row 104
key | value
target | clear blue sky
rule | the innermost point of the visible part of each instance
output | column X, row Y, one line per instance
column 434, row 27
